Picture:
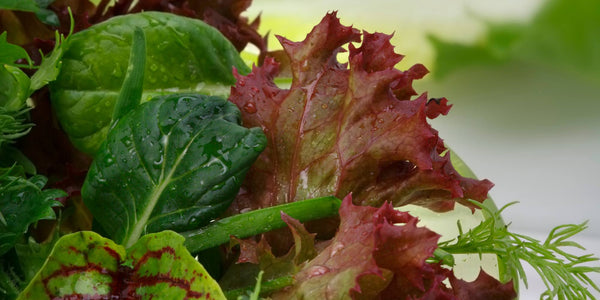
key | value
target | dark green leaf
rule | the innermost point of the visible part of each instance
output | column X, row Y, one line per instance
column 176, row 162
column 48, row 17
column 23, row 202
column 35, row 6
column 12, row 157
column 183, row 54
column 32, row 255
column 21, row 5
column 10, row 282
column 86, row 265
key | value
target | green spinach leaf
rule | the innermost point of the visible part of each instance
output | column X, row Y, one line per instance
column 183, row 55
column 175, row 162
column 22, row 203
column 84, row 264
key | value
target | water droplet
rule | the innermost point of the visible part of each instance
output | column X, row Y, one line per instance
column 109, row 160
column 317, row 271
column 164, row 140
column 305, row 65
column 250, row 107
column 153, row 67
column 336, row 248
column 193, row 221
column 127, row 141
column 117, row 71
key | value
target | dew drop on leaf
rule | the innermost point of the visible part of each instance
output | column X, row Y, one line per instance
column 318, row 271
column 250, row 107
column 109, row 160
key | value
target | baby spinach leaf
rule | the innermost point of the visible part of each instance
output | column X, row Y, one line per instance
column 175, row 162
column 23, row 202
column 86, row 265
column 183, row 54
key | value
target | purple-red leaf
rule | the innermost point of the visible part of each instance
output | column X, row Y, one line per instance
column 340, row 129
column 380, row 253
column 484, row 287
column 370, row 257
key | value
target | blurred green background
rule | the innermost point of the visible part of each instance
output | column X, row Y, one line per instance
column 524, row 80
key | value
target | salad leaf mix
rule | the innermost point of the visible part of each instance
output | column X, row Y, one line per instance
column 191, row 164
column 186, row 55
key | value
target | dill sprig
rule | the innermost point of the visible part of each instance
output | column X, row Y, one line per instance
column 565, row 275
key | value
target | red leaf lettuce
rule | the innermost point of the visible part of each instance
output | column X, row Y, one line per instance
column 340, row 130
column 380, row 253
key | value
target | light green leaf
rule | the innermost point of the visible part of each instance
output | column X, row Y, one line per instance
column 563, row 34
column 158, row 266
column 50, row 66
column 14, row 88
column 10, row 53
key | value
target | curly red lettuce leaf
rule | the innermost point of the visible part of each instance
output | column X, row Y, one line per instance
column 338, row 130
column 484, row 287
column 255, row 256
column 380, row 253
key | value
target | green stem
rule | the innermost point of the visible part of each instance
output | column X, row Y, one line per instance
column 443, row 256
column 266, row 288
column 131, row 90
column 258, row 221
